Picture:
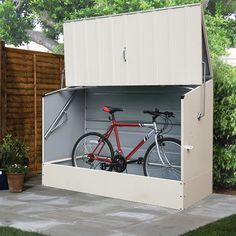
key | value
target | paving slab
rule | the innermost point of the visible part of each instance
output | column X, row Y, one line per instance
column 59, row 212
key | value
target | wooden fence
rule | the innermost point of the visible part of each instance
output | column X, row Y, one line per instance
column 26, row 76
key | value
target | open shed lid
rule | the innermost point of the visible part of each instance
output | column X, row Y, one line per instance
column 158, row 47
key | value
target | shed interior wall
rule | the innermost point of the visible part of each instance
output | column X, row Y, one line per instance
column 59, row 143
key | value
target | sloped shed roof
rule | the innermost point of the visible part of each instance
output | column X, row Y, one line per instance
column 158, row 47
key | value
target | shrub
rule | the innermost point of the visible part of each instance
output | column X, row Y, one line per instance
column 13, row 151
column 17, row 168
column 224, row 125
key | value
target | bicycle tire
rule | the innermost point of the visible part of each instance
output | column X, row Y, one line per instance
column 152, row 165
column 85, row 161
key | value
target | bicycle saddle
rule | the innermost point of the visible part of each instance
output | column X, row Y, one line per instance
column 111, row 110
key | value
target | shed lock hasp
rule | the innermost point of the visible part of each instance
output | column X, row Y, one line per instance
column 62, row 114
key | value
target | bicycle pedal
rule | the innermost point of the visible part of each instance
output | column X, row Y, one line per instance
column 140, row 160
column 104, row 166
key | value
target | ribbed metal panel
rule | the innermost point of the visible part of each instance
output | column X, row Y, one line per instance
column 145, row 48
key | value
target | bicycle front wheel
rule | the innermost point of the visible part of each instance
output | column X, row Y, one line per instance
column 91, row 144
column 167, row 162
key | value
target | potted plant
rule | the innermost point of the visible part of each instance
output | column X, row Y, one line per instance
column 15, row 177
column 15, row 161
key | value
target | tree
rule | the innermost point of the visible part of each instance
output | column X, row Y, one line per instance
column 223, row 7
column 221, row 34
column 224, row 162
column 220, row 28
column 18, row 19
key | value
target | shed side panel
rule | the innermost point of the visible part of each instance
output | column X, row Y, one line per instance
column 197, row 134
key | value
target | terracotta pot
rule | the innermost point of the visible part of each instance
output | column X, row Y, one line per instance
column 15, row 182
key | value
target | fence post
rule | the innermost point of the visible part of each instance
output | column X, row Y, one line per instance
column 35, row 112
column 3, row 94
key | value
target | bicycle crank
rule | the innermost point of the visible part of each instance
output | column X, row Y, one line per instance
column 119, row 163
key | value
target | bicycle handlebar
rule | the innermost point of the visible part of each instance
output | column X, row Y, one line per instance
column 157, row 113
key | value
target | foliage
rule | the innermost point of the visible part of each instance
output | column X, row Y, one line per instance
column 221, row 34
column 223, row 227
column 16, row 168
column 13, row 24
column 10, row 231
column 105, row 7
column 222, row 7
column 59, row 49
column 51, row 14
column 224, row 125
column 13, row 151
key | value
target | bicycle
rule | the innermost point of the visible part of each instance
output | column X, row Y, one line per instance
column 94, row 150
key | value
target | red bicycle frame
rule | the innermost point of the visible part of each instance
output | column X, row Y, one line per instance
column 114, row 126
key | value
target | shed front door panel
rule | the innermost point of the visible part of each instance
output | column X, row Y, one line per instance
column 159, row 47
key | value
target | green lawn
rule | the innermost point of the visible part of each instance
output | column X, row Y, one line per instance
column 223, row 227
column 8, row 231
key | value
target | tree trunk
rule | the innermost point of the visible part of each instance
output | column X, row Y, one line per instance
column 42, row 39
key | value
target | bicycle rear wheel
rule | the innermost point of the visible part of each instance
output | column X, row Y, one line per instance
column 86, row 145
column 166, row 165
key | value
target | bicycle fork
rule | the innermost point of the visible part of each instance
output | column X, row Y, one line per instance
column 164, row 162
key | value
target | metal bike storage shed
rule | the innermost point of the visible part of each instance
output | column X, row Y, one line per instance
column 137, row 61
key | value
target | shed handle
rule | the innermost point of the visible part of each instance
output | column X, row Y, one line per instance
column 124, row 54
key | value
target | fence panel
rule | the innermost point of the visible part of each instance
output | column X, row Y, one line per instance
column 25, row 77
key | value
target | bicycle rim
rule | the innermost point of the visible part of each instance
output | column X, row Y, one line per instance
column 86, row 145
column 168, row 164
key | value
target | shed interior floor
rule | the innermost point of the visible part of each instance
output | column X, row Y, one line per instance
column 134, row 168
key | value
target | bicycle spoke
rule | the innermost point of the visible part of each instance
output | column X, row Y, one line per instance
column 88, row 148
column 165, row 163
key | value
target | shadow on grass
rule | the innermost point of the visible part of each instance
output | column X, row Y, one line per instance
column 9, row 231
column 222, row 227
